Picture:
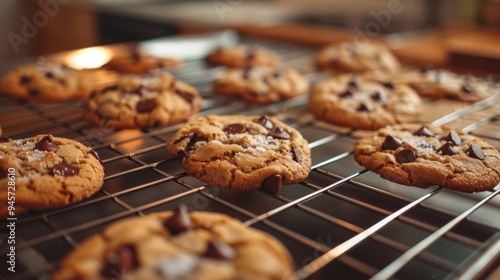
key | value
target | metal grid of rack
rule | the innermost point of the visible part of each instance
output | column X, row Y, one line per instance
column 342, row 221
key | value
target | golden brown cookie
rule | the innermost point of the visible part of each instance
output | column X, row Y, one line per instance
column 357, row 57
column 261, row 84
column 46, row 81
column 132, row 60
column 143, row 101
column 423, row 156
column 352, row 101
column 178, row 245
column 48, row 172
column 242, row 152
column 439, row 83
column 242, row 55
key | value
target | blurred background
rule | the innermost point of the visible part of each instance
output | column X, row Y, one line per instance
column 38, row 27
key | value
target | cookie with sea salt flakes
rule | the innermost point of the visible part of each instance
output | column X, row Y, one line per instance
column 48, row 172
column 353, row 101
column 178, row 245
column 242, row 55
column 261, row 84
column 242, row 152
column 357, row 57
column 143, row 101
column 423, row 156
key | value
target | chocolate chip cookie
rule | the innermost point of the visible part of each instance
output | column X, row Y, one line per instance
column 178, row 245
column 46, row 81
column 242, row 152
column 132, row 60
column 352, row 101
column 143, row 101
column 357, row 57
column 261, row 84
column 241, row 55
column 438, row 83
column 48, row 172
column 422, row 156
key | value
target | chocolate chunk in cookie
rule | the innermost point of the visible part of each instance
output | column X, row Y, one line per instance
column 369, row 105
column 143, row 101
column 50, row 172
column 216, row 247
column 242, row 152
column 261, row 85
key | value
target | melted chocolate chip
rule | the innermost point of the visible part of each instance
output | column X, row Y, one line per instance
column 120, row 262
column 447, row 149
column 265, row 122
column 365, row 107
column 185, row 136
column 189, row 97
column 423, row 131
column 277, row 74
column 62, row 82
column 179, row 221
column 94, row 153
column 49, row 75
column 346, row 94
column 235, row 128
column 273, row 183
column 295, row 157
column 64, row 169
column 391, row 143
column 454, row 138
column 353, row 83
column 279, row 133
column 219, row 250
column 24, row 80
column 140, row 90
column 379, row 97
column 467, row 88
column 405, row 156
column 475, row 151
column 182, row 154
column 145, row 106
column 45, row 144
column 388, row 85
column 193, row 141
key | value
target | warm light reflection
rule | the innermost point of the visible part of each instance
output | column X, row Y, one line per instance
column 88, row 58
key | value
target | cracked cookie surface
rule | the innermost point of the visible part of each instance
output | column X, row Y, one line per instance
column 242, row 152
column 178, row 245
column 242, row 55
column 49, row 172
column 261, row 84
column 352, row 101
column 423, row 156
column 356, row 57
column 143, row 101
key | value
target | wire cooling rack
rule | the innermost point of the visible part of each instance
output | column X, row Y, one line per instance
column 342, row 222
